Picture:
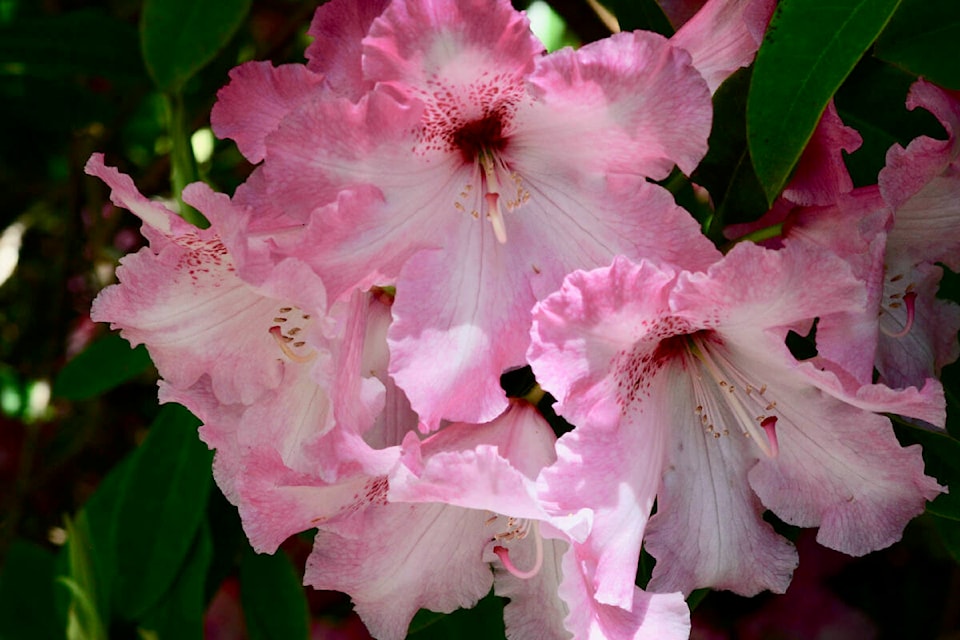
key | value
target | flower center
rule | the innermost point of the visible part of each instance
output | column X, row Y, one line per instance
column 899, row 298
column 479, row 136
column 732, row 392
column 481, row 143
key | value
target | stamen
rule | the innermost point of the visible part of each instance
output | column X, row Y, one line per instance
column 909, row 301
column 504, row 554
column 768, row 445
column 282, row 340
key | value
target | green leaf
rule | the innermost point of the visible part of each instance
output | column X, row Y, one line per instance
column 180, row 613
column 26, row 594
column 640, row 14
column 179, row 37
column 274, row 604
column 696, row 597
column 84, row 618
column 483, row 622
column 100, row 515
column 103, row 365
column 922, row 38
column 810, row 47
column 162, row 507
column 949, row 531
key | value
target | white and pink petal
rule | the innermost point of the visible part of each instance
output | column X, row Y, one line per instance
column 634, row 96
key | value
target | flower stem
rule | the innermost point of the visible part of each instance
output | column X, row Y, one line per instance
column 183, row 167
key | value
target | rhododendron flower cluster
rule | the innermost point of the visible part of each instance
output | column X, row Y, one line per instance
column 435, row 202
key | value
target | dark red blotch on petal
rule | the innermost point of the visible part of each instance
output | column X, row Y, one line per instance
column 485, row 134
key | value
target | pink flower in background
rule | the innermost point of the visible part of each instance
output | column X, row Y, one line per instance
column 683, row 391
column 473, row 173
column 922, row 185
column 892, row 235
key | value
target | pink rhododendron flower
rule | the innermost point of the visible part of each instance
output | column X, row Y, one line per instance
column 323, row 446
column 260, row 371
column 683, row 391
column 320, row 445
column 922, row 185
column 183, row 298
column 471, row 172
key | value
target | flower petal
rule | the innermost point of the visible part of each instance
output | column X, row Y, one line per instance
column 417, row 42
column 708, row 530
column 338, row 28
column 634, row 96
column 648, row 616
column 842, row 469
column 723, row 36
column 821, row 176
column 256, row 99
column 397, row 558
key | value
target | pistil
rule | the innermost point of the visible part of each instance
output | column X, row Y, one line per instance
column 909, row 304
column 504, row 554
column 492, row 195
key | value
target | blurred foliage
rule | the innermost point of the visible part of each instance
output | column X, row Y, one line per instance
column 152, row 548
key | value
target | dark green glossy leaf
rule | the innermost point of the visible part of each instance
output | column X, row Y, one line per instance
column 640, row 14
column 225, row 528
column 274, row 604
column 26, row 594
column 810, row 47
column 160, row 511
column 922, row 38
column 483, row 622
column 103, row 365
column 179, row 37
column 180, row 613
